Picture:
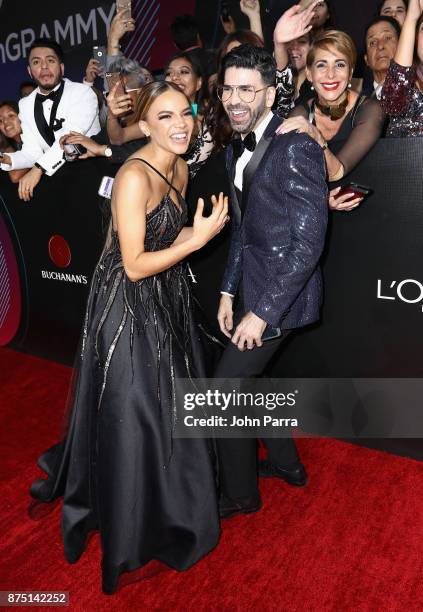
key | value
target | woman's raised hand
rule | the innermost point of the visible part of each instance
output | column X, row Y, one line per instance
column 206, row 228
column 250, row 7
column 294, row 23
column 94, row 69
column 415, row 9
column 119, row 105
column 121, row 24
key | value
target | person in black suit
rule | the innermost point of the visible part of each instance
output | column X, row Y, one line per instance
column 279, row 217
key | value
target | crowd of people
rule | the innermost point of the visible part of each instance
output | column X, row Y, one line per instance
column 347, row 119
column 266, row 133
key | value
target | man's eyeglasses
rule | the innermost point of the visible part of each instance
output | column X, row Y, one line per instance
column 246, row 93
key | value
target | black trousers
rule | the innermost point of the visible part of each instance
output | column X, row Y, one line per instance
column 238, row 457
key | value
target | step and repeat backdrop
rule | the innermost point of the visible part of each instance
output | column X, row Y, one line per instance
column 373, row 309
column 78, row 26
column 48, row 250
column 81, row 24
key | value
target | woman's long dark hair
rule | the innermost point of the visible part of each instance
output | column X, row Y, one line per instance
column 202, row 94
column 14, row 106
column 331, row 22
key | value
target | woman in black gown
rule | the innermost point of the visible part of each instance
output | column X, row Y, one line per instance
column 119, row 468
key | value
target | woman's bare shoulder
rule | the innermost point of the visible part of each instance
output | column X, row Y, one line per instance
column 133, row 171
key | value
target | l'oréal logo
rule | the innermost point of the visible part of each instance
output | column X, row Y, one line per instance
column 408, row 290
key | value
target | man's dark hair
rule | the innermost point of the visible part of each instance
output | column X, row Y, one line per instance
column 184, row 30
column 381, row 18
column 332, row 21
column 49, row 43
column 253, row 58
column 380, row 6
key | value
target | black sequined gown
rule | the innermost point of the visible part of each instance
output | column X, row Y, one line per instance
column 119, row 469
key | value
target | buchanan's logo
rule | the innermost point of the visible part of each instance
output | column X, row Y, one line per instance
column 60, row 254
column 409, row 291
column 59, row 251
column 64, row 277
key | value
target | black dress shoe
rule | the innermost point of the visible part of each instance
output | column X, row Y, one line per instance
column 243, row 505
column 295, row 476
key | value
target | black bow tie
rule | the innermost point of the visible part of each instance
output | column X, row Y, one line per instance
column 240, row 145
column 51, row 96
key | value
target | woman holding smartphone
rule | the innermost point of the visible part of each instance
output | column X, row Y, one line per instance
column 345, row 124
column 119, row 467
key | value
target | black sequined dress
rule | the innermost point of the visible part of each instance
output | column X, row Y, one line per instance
column 118, row 467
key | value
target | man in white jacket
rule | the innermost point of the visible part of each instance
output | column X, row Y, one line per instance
column 57, row 107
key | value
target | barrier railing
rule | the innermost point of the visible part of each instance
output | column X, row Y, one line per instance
column 373, row 308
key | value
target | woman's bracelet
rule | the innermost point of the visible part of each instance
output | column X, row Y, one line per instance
column 338, row 175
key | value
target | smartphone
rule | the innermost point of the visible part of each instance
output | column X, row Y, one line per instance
column 122, row 83
column 106, row 186
column 270, row 333
column 72, row 151
column 224, row 11
column 100, row 54
column 356, row 190
column 113, row 78
column 124, row 6
column 117, row 77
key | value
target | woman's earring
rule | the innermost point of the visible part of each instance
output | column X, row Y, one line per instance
column 311, row 87
column 349, row 85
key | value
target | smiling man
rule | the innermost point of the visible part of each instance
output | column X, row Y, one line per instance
column 57, row 107
column 279, row 216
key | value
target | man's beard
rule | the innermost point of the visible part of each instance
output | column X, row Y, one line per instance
column 48, row 87
column 255, row 116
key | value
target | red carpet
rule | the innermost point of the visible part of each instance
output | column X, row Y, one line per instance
column 350, row 541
